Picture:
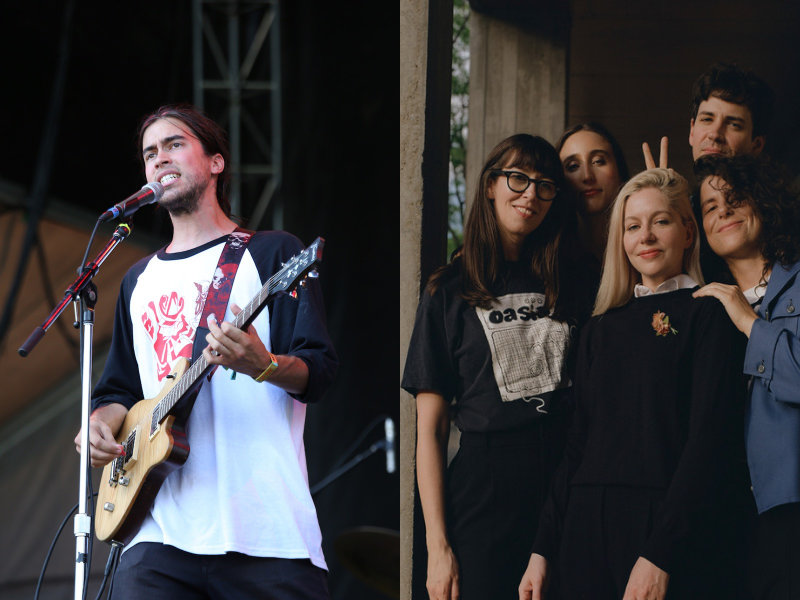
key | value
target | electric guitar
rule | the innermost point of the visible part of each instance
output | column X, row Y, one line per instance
column 153, row 434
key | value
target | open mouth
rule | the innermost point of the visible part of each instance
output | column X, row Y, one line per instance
column 169, row 178
column 525, row 212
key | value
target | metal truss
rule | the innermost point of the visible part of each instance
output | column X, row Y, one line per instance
column 236, row 72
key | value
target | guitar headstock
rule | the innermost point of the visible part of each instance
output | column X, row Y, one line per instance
column 297, row 268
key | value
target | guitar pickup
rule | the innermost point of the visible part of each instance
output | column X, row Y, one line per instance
column 131, row 449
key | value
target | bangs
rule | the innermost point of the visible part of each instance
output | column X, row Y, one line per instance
column 533, row 159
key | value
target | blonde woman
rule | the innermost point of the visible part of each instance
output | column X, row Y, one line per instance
column 635, row 510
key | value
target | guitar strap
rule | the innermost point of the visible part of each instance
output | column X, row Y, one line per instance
column 216, row 302
column 219, row 290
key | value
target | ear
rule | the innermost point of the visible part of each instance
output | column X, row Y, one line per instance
column 758, row 144
column 690, row 233
column 490, row 190
column 691, row 131
column 217, row 164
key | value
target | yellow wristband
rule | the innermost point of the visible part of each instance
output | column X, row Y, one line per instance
column 270, row 368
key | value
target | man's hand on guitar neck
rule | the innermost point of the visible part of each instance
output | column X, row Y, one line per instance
column 104, row 423
column 244, row 352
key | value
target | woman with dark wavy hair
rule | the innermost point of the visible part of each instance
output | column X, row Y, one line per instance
column 751, row 219
column 595, row 168
column 493, row 335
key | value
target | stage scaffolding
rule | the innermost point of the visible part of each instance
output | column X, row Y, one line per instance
column 236, row 78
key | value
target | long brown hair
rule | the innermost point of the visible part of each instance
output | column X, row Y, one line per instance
column 481, row 258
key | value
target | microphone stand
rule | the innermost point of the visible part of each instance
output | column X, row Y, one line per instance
column 84, row 292
column 331, row 477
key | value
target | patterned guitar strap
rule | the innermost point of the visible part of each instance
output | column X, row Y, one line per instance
column 219, row 292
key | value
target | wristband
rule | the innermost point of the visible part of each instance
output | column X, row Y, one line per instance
column 265, row 374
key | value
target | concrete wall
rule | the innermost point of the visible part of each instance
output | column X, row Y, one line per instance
column 413, row 51
column 518, row 83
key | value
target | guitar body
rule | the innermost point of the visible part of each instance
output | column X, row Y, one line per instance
column 129, row 484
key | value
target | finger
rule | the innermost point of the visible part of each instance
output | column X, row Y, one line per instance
column 213, row 325
column 649, row 163
column 662, row 159
column 235, row 309
column 455, row 593
column 221, row 339
column 215, row 346
column 213, row 357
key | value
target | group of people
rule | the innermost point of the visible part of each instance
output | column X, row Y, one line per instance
column 622, row 357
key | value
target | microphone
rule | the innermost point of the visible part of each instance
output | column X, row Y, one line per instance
column 150, row 192
column 388, row 426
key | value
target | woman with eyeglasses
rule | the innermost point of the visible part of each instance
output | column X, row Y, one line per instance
column 638, row 508
column 493, row 335
column 595, row 169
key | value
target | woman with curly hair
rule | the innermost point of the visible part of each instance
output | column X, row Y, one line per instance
column 751, row 219
column 493, row 335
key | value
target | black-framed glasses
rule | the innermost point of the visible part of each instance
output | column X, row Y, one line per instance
column 518, row 182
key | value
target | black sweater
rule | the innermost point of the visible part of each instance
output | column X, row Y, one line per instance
column 662, row 412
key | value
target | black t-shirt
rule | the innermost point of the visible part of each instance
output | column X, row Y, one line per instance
column 505, row 367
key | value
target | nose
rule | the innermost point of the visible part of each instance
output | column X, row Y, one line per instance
column 715, row 131
column 587, row 174
column 530, row 191
column 648, row 236
column 162, row 158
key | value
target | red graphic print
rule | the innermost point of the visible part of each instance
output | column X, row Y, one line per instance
column 170, row 331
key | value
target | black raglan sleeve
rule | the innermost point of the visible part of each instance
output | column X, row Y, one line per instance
column 298, row 325
column 120, row 380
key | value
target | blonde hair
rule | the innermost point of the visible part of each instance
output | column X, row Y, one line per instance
column 619, row 277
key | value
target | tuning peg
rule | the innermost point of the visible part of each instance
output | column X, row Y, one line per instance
column 293, row 294
column 313, row 274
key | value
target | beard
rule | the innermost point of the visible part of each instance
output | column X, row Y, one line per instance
column 186, row 202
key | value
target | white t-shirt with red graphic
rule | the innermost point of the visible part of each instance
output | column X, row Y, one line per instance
column 244, row 486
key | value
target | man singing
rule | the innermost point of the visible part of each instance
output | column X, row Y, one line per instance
column 237, row 519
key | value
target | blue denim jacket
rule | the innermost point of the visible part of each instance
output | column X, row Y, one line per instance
column 772, row 422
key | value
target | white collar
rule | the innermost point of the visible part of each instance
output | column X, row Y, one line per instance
column 756, row 293
column 679, row 282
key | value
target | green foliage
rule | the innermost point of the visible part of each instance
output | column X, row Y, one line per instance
column 459, row 112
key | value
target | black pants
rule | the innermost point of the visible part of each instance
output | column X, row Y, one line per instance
column 496, row 486
column 775, row 557
column 605, row 529
column 160, row 572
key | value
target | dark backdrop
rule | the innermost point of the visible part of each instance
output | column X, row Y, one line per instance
column 340, row 157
